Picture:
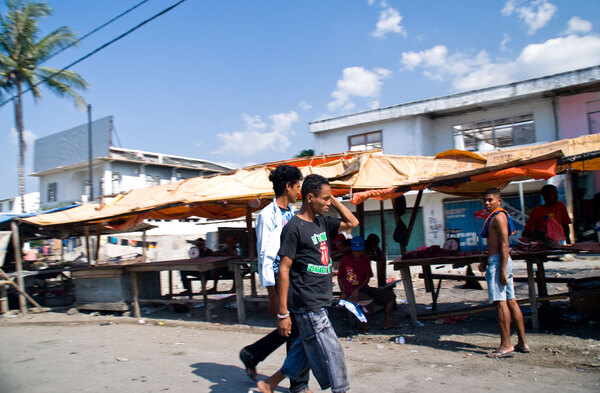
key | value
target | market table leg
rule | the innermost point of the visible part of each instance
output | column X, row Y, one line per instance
column 135, row 294
column 532, row 296
column 205, row 296
column 3, row 299
column 410, row 294
column 541, row 278
column 239, row 293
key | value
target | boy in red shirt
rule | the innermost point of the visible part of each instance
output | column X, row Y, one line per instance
column 354, row 274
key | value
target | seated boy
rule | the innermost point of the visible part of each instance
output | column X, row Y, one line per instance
column 354, row 274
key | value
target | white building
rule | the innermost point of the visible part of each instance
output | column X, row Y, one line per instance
column 528, row 112
column 61, row 162
column 13, row 205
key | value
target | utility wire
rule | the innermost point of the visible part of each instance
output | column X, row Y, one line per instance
column 97, row 50
column 96, row 29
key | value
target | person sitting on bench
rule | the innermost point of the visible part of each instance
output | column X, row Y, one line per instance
column 353, row 278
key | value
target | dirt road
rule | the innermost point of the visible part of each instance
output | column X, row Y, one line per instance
column 82, row 353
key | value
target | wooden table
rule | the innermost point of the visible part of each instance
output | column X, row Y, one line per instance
column 202, row 265
column 237, row 267
column 536, row 258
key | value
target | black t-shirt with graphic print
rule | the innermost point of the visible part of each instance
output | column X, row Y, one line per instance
column 307, row 244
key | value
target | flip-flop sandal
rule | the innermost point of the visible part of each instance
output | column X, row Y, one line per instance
column 521, row 349
column 499, row 354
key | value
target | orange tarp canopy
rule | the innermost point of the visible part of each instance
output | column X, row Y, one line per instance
column 362, row 174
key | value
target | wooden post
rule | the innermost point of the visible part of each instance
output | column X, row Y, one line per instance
column 86, row 232
column 410, row 293
column 413, row 216
column 532, row 295
column 144, row 246
column 251, row 243
column 360, row 212
column 19, row 265
column 3, row 299
column 98, row 236
column 381, row 265
column 239, row 292
column 135, row 295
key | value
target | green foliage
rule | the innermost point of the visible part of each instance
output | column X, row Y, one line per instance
column 305, row 153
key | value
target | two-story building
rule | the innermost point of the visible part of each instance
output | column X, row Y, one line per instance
column 533, row 111
column 62, row 162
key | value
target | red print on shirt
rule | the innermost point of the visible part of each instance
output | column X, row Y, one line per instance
column 324, row 253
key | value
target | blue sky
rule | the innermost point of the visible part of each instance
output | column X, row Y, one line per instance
column 238, row 81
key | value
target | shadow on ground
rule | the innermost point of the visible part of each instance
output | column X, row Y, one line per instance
column 226, row 378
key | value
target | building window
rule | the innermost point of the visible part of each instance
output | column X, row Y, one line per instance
column 593, row 114
column 495, row 134
column 116, row 182
column 152, row 181
column 367, row 141
column 52, row 191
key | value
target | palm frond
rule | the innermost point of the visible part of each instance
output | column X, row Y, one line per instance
column 64, row 90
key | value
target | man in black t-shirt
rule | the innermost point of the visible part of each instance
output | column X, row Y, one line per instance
column 305, row 270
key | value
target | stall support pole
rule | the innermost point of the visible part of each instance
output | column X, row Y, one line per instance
column 381, row 265
column 251, row 243
column 144, row 245
column 522, row 199
column 98, row 236
column 19, row 265
column 86, row 232
column 532, row 295
column 410, row 294
column 135, row 294
column 360, row 212
column 413, row 216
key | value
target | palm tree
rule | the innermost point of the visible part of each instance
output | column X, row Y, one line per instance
column 21, row 53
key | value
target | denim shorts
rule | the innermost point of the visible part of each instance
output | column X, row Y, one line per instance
column 496, row 290
column 318, row 348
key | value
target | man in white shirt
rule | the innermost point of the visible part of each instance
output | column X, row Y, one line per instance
column 269, row 224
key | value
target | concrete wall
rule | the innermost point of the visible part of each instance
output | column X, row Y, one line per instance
column 543, row 116
column 419, row 135
column 574, row 114
column 71, row 146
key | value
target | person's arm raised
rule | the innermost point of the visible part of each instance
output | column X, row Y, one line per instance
column 349, row 221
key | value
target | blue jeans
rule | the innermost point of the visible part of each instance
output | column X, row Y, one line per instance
column 318, row 348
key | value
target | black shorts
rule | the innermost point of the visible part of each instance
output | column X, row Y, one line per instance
column 381, row 296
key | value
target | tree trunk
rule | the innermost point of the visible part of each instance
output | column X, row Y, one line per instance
column 19, row 124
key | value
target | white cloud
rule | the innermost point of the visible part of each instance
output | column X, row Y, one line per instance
column 357, row 82
column 536, row 15
column 578, row 26
column 505, row 40
column 389, row 23
column 28, row 136
column 304, row 105
column 258, row 136
column 467, row 72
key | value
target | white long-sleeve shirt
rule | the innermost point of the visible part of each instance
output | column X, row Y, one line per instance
column 268, row 226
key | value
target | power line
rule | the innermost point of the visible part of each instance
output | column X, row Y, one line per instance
column 97, row 50
column 96, row 29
